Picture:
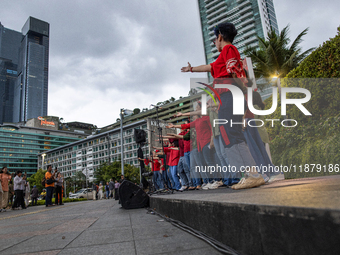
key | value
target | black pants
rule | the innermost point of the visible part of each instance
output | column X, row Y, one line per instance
column 116, row 194
column 58, row 194
column 34, row 200
column 19, row 199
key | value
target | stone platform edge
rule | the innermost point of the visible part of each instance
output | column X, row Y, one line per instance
column 258, row 229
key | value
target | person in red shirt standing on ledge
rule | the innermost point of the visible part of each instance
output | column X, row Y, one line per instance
column 155, row 168
column 228, row 69
column 173, row 162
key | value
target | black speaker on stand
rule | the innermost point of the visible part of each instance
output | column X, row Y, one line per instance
column 131, row 196
column 140, row 135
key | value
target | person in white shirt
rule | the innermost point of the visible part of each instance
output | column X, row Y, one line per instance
column 19, row 187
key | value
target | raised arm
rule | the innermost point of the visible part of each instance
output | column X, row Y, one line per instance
column 170, row 125
column 179, row 114
column 177, row 136
column 196, row 69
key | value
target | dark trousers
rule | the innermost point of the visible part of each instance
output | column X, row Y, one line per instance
column 19, row 199
column 116, row 194
column 49, row 193
column 34, row 200
column 58, row 195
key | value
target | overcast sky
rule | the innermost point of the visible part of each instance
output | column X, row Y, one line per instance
column 112, row 54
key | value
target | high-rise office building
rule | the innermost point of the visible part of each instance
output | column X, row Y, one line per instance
column 10, row 41
column 31, row 89
column 8, row 76
column 251, row 18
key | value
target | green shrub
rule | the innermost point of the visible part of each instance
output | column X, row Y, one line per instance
column 316, row 138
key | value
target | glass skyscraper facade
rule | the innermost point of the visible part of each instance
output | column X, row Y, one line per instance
column 10, row 42
column 20, row 145
column 8, row 75
column 251, row 18
column 31, row 89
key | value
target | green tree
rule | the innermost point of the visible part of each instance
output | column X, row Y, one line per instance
column 136, row 111
column 276, row 57
column 106, row 171
column 36, row 179
column 79, row 179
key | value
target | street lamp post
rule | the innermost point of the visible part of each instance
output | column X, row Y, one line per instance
column 121, row 140
column 87, row 187
column 123, row 112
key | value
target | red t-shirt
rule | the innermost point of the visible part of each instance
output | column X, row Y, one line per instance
column 174, row 156
column 227, row 63
column 181, row 144
column 155, row 165
column 203, row 131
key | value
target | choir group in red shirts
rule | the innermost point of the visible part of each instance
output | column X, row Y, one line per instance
column 238, row 150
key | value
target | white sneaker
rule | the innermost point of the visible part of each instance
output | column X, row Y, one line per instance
column 214, row 185
column 278, row 177
column 249, row 181
column 206, row 186
column 182, row 188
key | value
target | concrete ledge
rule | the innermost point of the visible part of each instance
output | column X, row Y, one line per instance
column 257, row 228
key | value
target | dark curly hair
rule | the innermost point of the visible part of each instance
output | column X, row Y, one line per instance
column 227, row 30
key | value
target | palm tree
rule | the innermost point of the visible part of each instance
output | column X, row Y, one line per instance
column 276, row 58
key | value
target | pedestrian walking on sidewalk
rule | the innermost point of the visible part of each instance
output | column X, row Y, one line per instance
column 27, row 193
column 100, row 191
column 10, row 193
column 94, row 191
column 117, row 184
column 34, row 195
column 111, row 188
column 107, row 190
column 49, row 185
column 59, row 189
column 5, row 178
column 19, row 187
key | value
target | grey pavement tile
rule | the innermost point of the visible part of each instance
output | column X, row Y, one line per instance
column 123, row 248
column 96, row 237
column 73, row 225
column 54, row 252
column 172, row 244
column 200, row 251
column 6, row 243
column 142, row 232
column 144, row 219
column 24, row 228
column 42, row 243
column 110, row 223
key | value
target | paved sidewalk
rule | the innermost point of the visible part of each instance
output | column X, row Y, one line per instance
column 94, row 227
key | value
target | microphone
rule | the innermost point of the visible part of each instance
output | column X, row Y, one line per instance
column 156, row 106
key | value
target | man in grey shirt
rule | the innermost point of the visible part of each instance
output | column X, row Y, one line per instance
column 19, row 187
column 111, row 187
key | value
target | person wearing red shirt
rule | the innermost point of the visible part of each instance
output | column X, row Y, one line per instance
column 173, row 162
column 155, row 168
column 183, row 167
column 203, row 138
column 228, row 69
